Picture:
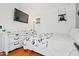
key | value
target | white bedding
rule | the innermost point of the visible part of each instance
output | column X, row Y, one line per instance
column 61, row 45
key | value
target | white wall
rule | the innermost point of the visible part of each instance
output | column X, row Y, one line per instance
column 47, row 12
column 49, row 20
column 6, row 17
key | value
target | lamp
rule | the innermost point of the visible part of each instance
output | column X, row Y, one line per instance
column 34, row 22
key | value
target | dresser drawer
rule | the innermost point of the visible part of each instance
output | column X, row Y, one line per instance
column 14, row 46
column 11, row 40
column 11, row 35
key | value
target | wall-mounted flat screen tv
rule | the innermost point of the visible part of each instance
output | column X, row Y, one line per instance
column 20, row 16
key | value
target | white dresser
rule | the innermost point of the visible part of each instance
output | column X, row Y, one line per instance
column 11, row 40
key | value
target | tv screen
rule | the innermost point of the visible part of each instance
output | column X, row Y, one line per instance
column 20, row 16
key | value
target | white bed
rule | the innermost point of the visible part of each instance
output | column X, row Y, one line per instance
column 58, row 45
column 61, row 45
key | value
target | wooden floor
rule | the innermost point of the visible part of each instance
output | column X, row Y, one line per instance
column 21, row 52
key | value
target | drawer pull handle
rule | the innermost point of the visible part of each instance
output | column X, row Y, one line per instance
column 16, row 38
column 16, row 43
column 16, row 34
